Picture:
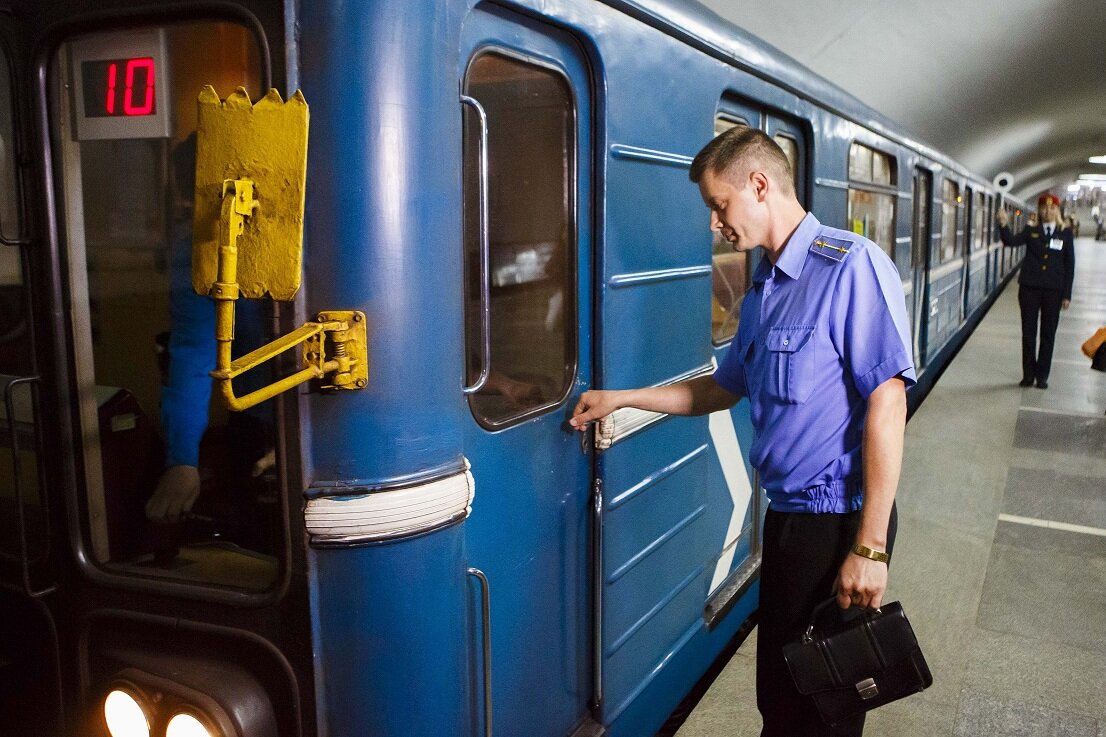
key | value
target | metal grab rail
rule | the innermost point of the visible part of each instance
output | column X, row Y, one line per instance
column 17, row 473
column 486, row 609
column 485, row 253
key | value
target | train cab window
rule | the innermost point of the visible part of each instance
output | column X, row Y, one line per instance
column 950, row 206
column 871, row 199
column 731, row 272
column 531, row 126
column 174, row 487
column 18, row 461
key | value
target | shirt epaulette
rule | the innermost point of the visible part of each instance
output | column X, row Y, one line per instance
column 835, row 249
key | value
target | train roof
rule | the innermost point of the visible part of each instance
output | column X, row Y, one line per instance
column 699, row 26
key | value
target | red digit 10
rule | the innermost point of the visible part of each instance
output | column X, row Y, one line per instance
column 129, row 107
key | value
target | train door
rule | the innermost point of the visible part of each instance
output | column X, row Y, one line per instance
column 919, row 261
column 30, row 687
column 528, row 244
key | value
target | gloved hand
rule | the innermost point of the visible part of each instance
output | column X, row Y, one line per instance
column 175, row 494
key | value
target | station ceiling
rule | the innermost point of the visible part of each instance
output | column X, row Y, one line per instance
column 999, row 85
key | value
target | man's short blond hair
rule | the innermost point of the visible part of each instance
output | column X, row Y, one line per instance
column 741, row 150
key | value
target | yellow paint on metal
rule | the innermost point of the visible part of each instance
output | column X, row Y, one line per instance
column 266, row 145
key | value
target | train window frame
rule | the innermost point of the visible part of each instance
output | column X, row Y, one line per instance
column 570, row 299
column 862, row 179
column 52, row 66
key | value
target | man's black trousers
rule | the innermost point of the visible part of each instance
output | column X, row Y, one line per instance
column 801, row 557
column 1046, row 303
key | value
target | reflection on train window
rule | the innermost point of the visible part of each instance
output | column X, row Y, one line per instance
column 174, row 490
column 872, row 211
column 532, row 236
column 731, row 272
column 950, row 199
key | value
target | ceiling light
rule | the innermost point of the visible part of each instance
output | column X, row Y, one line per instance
column 1098, row 159
column 1074, row 187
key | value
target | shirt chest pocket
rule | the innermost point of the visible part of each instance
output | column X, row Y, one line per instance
column 791, row 363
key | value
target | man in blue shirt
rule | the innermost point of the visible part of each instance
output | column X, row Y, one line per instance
column 823, row 354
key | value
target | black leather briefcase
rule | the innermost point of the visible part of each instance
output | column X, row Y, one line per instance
column 867, row 662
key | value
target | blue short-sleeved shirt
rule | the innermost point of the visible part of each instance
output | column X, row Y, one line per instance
column 819, row 331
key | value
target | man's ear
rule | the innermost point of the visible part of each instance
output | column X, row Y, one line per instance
column 760, row 184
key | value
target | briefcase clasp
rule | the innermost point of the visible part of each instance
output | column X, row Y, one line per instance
column 867, row 689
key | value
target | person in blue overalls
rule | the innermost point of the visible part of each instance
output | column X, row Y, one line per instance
column 1044, row 284
column 823, row 353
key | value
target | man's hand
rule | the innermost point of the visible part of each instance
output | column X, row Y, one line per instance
column 595, row 405
column 1001, row 217
column 860, row 582
column 175, row 494
column 1065, row 304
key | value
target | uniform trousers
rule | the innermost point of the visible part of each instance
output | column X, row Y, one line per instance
column 1046, row 303
column 802, row 554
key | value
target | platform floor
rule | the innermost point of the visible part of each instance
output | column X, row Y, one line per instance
column 1000, row 561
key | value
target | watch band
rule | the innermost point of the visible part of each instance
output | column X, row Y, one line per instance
column 866, row 552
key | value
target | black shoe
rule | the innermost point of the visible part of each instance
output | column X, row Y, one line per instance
column 1025, row 382
column 1042, row 384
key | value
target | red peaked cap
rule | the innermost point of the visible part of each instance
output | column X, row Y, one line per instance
column 1047, row 198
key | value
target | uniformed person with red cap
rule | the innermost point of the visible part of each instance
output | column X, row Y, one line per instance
column 1045, row 283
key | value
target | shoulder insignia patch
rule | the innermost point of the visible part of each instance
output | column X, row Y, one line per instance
column 834, row 249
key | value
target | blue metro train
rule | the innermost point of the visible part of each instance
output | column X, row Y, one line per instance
column 497, row 198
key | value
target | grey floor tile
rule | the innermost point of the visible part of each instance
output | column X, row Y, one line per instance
column 1060, row 497
column 1062, row 433
column 984, row 714
column 1032, row 670
column 1048, row 596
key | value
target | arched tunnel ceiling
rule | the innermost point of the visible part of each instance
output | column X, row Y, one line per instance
column 999, row 85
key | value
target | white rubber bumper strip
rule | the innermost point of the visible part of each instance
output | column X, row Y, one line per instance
column 387, row 515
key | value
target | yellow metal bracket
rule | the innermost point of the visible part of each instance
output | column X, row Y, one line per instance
column 232, row 135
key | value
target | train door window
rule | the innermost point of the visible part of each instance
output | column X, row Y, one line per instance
column 979, row 215
column 531, row 124
column 871, row 209
column 950, row 199
column 173, row 490
column 790, row 148
column 731, row 272
column 920, row 245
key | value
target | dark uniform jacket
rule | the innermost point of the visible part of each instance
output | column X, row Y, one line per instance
column 1044, row 266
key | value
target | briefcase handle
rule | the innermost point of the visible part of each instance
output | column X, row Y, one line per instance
column 808, row 636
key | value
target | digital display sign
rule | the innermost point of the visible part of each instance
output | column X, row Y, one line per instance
column 120, row 85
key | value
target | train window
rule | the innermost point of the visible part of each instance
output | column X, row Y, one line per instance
column 532, row 233
column 979, row 215
column 174, row 490
column 871, row 212
column 731, row 272
column 18, row 461
column 950, row 199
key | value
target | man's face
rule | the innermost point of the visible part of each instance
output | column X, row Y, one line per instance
column 735, row 211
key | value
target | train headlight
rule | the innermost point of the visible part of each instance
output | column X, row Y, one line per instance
column 124, row 715
column 187, row 725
